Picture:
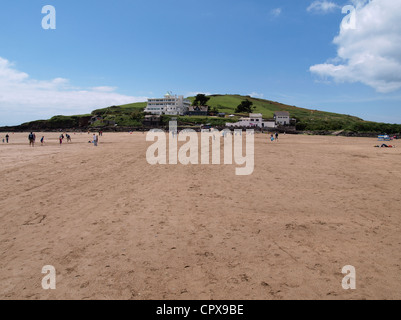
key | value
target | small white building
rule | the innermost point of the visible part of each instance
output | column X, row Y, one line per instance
column 169, row 105
column 282, row 118
column 254, row 120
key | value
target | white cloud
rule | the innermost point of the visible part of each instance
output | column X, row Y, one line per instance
column 104, row 89
column 256, row 95
column 276, row 12
column 23, row 98
column 322, row 6
column 371, row 53
column 359, row 3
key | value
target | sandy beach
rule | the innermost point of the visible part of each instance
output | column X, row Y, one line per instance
column 115, row 227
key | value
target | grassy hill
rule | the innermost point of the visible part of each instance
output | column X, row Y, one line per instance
column 131, row 115
column 310, row 120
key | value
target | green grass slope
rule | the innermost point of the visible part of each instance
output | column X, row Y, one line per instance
column 307, row 119
column 228, row 104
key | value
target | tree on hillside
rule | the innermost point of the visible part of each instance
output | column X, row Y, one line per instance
column 200, row 100
column 214, row 111
column 246, row 106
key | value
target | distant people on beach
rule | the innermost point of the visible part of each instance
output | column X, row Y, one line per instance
column 31, row 138
column 7, row 137
column 42, row 140
column 61, row 139
column 385, row 146
column 276, row 136
column 68, row 138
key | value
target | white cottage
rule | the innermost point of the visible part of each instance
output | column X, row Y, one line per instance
column 254, row 120
column 282, row 118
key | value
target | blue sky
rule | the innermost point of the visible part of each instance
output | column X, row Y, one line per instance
column 113, row 52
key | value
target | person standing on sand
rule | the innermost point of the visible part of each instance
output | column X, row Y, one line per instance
column 42, row 140
column 276, row 136
column 31, row 139
column 61, row 139
column 95, row 140
column 7, row 137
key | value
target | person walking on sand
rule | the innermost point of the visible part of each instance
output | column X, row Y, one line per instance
column 68, row 138
column 31, row 139
column 276, row 136
column 61, row 139
column 42, row 140
column 271, row 138
column 7, row 137
column 95, row 140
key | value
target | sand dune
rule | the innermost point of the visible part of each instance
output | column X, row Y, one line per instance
column 115, row 227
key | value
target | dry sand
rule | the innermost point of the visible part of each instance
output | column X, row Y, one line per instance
column 115, row 227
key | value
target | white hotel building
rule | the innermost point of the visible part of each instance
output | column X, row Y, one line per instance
column 169, row 105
